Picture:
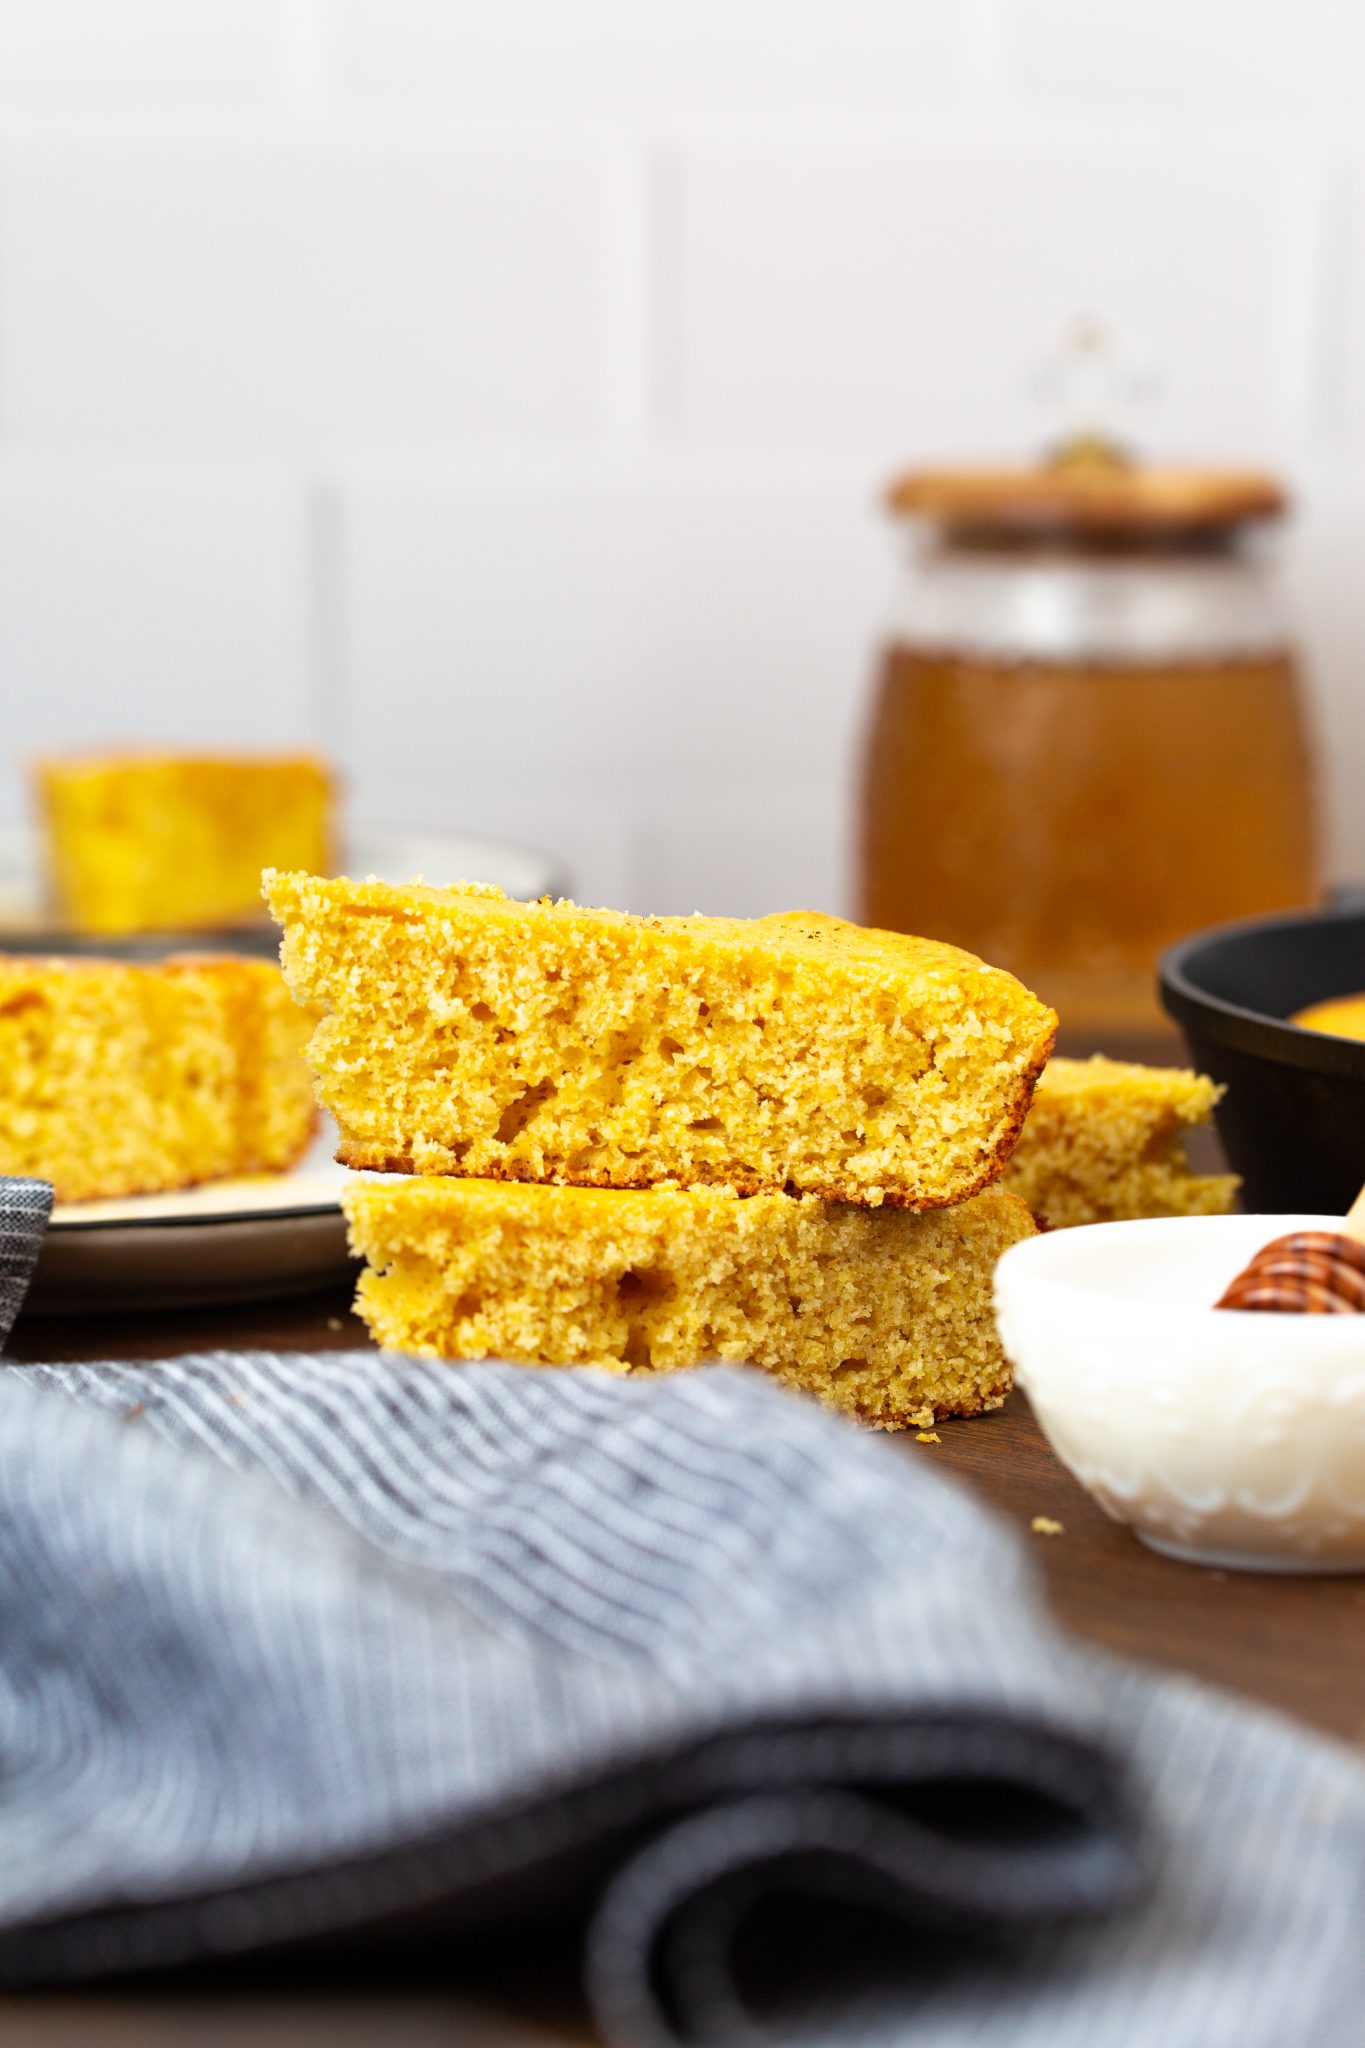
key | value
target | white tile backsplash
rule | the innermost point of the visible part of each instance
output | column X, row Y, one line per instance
column 211, row 295
column 1344, row 364
column 900, row 298
column 1327, row 584
column 747, row 857
column 97, row 57
column 502, row 391
column 625, row 58
column 594, row 848
column 142, row 607
column 1201, row 60
column 621, row 648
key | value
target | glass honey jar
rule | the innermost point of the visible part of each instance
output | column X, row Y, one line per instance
column 1089, row 736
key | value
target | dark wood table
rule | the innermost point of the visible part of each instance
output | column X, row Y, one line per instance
column 1295, row 1643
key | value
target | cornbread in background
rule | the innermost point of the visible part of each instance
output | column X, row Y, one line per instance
column 177, row 842
column 1105, row 1142
column 466, row 1033
column 880, row 1312
column 121, row 1080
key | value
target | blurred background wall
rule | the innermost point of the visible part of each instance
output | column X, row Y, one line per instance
column 496, row 392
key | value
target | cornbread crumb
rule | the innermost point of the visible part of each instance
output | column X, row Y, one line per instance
column 177, row 842
column 1105, row 1141
column 928, row 1436
column 1043, row 1525
column 464, row 1033
column 883, row 1313
column 121, row 1080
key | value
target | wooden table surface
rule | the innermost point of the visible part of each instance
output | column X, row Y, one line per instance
column 1296, row 1643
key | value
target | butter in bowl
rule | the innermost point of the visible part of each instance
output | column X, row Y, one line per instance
column 1223, row 1436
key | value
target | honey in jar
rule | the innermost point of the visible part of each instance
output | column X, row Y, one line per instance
column 1088, row 737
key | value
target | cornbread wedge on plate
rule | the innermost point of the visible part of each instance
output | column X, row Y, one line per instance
column 466, row 1033
column 879, row 1312
column 119, row 1079
column 177, row 842
column 1105, row 1142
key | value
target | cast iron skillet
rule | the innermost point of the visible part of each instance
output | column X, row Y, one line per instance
column 1293, row 1119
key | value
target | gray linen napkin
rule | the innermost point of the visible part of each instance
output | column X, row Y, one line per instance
column 25, row 1206
column 306, row 1647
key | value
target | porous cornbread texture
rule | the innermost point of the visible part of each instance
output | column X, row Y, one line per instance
column 167, row 842
column 465, row 1033
column 121, row 1080
column 1105, row 1141
column 880, row 1312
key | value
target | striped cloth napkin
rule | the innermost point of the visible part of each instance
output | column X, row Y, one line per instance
column 311, row 1647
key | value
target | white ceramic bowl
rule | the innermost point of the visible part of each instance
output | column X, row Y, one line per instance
column 1224, row 1437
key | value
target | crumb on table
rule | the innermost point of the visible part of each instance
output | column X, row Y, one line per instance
column 1043, row 1525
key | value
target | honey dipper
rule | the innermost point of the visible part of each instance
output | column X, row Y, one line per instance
column 1310, row 1272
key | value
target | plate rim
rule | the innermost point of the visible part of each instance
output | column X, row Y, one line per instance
column 69, row 1224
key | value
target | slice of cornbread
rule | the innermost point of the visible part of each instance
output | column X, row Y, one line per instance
column 167, row 842
column 1105, row 1141
column 465, row 1033
column 121, row 1080
column 879, row 1312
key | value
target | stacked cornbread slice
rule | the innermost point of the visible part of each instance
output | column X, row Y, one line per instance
column 882, row 1312
column 726, row 1127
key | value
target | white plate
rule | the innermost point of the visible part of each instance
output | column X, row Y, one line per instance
column 392, row 855
column 231, row 1240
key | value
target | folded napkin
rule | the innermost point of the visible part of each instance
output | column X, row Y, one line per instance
column 337, row 1646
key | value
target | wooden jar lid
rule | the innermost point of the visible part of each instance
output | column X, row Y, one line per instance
column 1088, row 488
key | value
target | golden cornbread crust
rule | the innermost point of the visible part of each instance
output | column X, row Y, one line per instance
column 881, row 1313
column 119, row 1079
column 177, row 842
column 463, row 1033
column 1105, row 1142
